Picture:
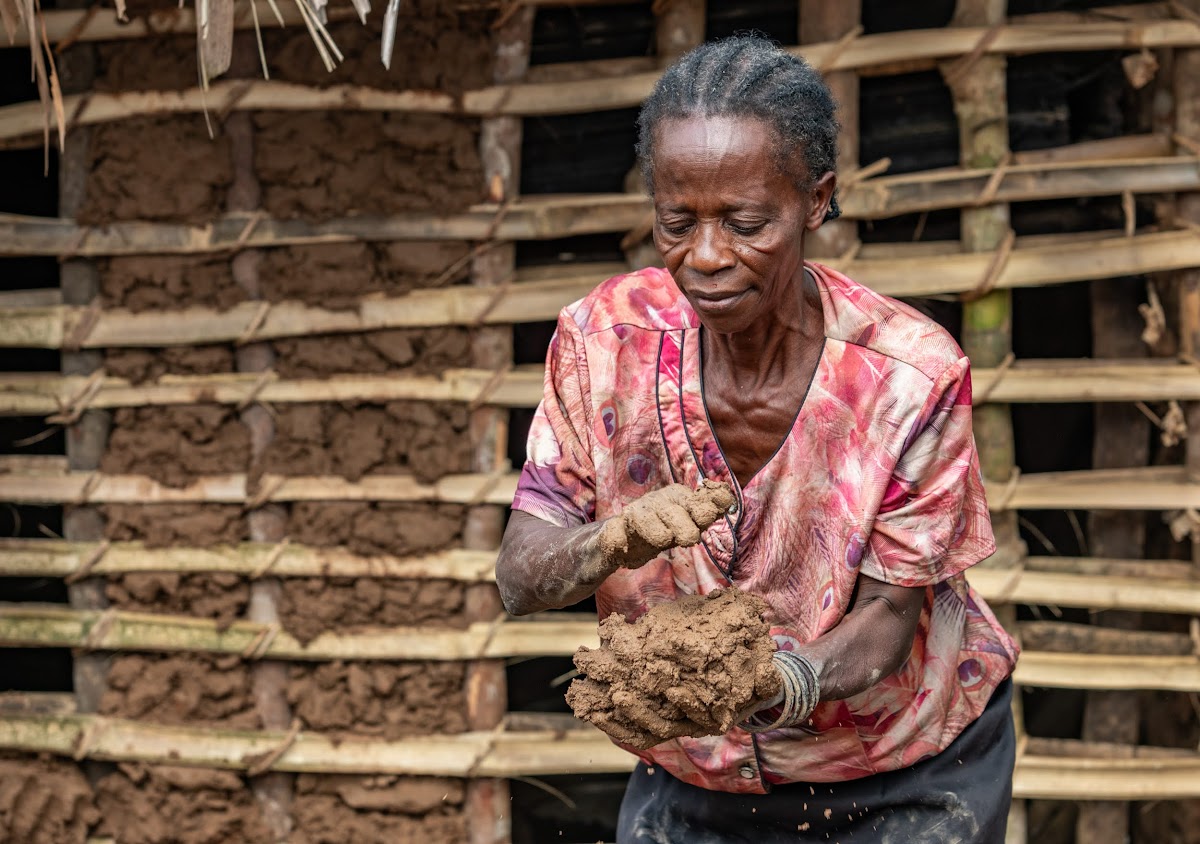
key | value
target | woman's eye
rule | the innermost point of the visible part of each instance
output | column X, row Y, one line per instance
column 675, row 228
column 745, row 228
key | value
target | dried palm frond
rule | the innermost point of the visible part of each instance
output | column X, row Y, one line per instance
column 390, row 17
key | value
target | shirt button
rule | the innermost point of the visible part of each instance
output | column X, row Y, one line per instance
column 747, row 772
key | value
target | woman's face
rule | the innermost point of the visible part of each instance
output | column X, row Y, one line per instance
column 729, row 223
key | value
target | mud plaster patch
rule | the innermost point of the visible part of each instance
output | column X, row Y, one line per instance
column 221, row 596
column 317, row 165
column 44, row 801
column 427, row 439
column 382, row 528
column 331, row 809
column 141, row 365
column 166, row 282
column 159, row 525
column 311, row 605
column 685, row 668
column 181, row 689
column 175, row 445
column 148, row 804
column 149, row 64
column 155, row 168
column 385, row 699
column 417, row 351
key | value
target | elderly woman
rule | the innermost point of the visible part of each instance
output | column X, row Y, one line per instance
column 841, row 420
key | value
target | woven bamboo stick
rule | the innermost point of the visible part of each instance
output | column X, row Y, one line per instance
column 1087, row 773
column 57, row 558
column 28, row 394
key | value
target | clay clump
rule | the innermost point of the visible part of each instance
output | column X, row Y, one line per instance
column 691, row 667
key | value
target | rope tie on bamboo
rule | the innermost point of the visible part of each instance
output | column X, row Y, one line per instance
column 237, row 93
column 954, row 72
column 861, row 179
column 265, row 377
column 507, row 13
column 489, row 746
column 489, row 387
column 267, row 488
column 83, row 326
column 247, row 231
column 500, row 291
column 70, row 410
column 259, row 764
column 89, row 486
column 1183, row 524
column 271, row 559
column 262, row 641
column 99, row 629
column 1154, row 315
column 1007, row 492
column 838, row 49
column 988, row 195
column 487, row 487
column 75, row 244
column 256, row 322
column 801, row 693
column 77, row 29
column 1190, row 144
column 1172, row 424
column 89, row 562
column 81, row 105
column 82, row 746
column 994, row 270
column 1009, row 588
column 982, row 396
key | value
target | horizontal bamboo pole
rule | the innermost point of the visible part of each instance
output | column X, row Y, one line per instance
column 1148, row 488
column 30, row 394
column 30, row 625
column 44, row 481
column 522, row 754
column 1097, row 592
column 60, row 558
column 575, row 97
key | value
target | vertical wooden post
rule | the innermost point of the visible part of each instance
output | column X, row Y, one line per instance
column 678, row 27
column 825, row 21
column 487, row 804
column 88, row 437
column 1186, row 86
column 267, row 523
column 979, row 88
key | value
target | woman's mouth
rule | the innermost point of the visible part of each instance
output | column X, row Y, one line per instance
column 718, row 303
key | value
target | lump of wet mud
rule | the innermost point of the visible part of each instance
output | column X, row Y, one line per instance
column 181, row 689
column 221, row 596
column 155, row 168
column 332, row 809
column 317, row 165
column 160, row 525
column 385, row 699
column 386, row 527
column 165, row 282
column 416, row 350
column 175, row 445
column 425, row 438
column 141, row 365
column 44, row 801
column 688, row 667
column 152, row 804
column 310, row 606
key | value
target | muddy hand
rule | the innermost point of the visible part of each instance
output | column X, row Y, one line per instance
column 671, row 517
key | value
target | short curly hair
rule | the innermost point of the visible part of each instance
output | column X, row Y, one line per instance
column 748, row 76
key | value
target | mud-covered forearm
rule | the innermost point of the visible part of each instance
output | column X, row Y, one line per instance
column 870, row 643
column 543, row 566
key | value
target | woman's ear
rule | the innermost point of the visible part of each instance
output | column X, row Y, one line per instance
column 822, row 196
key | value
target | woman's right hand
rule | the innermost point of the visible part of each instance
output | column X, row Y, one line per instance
column 672, row 517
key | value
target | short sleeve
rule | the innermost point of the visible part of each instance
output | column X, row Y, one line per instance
column 558, row 481
column 933, row 521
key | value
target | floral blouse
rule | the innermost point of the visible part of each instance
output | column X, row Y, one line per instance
column 878, row 475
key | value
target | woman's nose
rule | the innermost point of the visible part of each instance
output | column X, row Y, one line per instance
column 710, row 250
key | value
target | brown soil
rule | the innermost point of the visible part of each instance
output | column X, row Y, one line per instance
column 181, row 689
column 166, row 282
column 144, row 804
column 335, row 275
column 155, row 168
column 429, row 440
column 220, row 596
column 1169, row 720
column 311, row 605
column 147, row 64
column 318, row 165
column 174, row 445
column 436, row 49
column 377, row 810
column 44, row 801
column 159, row 525
column 419, row 351
column 685, row 668
column 141, row 365
column 383, row 528
column 385, row 699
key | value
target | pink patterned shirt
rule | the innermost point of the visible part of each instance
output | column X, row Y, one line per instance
column 878, row 476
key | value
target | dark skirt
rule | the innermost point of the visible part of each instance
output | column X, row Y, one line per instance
column 962, row 795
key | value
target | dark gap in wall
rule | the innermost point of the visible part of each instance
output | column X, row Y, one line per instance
column 1062, row 98
column 1030, row 7
column 778, row 20
column 35, row 670
column 31, row 435
column 29, row 521
column 909, row 119
column 884, row 16
column 937, row 225
column 569, row 250
column 530, row 684
column 584, row 33
column 589, row 816
column 586, row 153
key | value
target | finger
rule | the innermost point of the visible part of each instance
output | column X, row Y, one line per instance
column 702, row 510
column 683, row 530
column 718, row 493
column 648, row 526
